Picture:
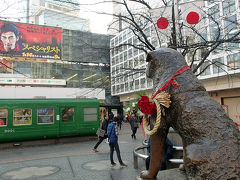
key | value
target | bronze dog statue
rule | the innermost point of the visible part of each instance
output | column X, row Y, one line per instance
column 211, row 141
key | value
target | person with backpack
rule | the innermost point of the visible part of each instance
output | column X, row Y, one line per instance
column 113, row 132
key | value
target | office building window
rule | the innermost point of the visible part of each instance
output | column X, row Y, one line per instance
column 218, row 65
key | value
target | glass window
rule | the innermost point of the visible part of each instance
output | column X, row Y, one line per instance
column 130, row 42
column 131, row 85
column 121, row 67
column 22, row 116
column 231, row 30
column 125, row 78
column 125, row 46
column 125, row 65
column 112, row 43
column 118, row 89
column 135, row 51
column 233, row 61
column 228, row 6
column 130, row 54
column 142, row 60
column 122, row 87
column 135, row 62
column 205, row 68
column 112, row 52
column 117, row 60
column 45, row 115
column 149, row 83
column 117, row 69
column 121, row 58
column 120, row 38
column 67, row 114
column 143, row 84
column 131, row 64
column 113, row 70
column 218, row 65
column 90, row 114
column 3, row 117
column 126, row 86
column 214, row 11
column 113, row 90
column 230, row 25
column 215, row 31
column 113, row 80
column 136, row 84
column 116, row 41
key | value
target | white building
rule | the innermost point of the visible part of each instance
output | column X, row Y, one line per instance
column 222, row 80
column 55, row 13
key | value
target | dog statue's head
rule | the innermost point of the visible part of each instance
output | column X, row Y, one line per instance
column 162, row 64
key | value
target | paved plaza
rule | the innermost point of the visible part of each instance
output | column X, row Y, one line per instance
column 70, row 159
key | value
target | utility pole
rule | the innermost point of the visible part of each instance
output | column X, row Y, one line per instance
column 27, row 11
column 175, row 23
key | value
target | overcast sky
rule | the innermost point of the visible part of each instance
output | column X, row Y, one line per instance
column 98, row 22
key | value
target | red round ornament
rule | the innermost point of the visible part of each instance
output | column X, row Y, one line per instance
column 162, row 23
column 192, row 18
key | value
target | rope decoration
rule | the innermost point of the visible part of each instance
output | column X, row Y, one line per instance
column 161, row 99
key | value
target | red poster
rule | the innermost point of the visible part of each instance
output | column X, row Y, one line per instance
column 30, row 41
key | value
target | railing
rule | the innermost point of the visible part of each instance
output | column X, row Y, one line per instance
column 137, row 155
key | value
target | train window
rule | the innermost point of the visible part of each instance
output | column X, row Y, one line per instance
column 90, row 114
column 45, row 115
column 67, row 114
column 3, row 117
column 22, row 116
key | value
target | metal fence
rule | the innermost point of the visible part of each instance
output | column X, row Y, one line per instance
column 144, row 154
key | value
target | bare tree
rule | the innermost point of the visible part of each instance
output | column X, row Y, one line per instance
column 196, row 42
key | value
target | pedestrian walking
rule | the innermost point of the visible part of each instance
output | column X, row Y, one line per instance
column 113, row 132
column 120, row 118
column 134, row 125
column 104, row 127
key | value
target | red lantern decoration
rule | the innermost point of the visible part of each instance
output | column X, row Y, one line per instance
column 162, row 23
column 192, row 18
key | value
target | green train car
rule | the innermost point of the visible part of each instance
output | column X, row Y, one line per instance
column 28, row 119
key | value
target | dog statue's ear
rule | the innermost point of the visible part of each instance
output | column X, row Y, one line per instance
column 150, row 66
column 149, row 57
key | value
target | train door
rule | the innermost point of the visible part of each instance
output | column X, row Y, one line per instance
column 67, row 120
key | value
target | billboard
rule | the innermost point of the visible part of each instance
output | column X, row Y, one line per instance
column 6, row 66
column 30, row 41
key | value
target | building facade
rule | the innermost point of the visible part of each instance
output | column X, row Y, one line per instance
column 221, row 76
column 55, row 13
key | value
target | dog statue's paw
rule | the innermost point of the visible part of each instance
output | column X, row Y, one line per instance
column 181, row 167
column 147, row 175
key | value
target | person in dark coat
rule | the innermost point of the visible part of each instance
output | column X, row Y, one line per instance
column 167, row 154
column 120, row 118
column 134, row 125
column 104, row 127
column 113, row 132
column 111, row 115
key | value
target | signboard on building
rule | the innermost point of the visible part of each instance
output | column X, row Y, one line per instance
column 36, row 82
column 30, row 41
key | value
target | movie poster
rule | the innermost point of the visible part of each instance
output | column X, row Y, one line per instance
column 30, row 41
column 6, row 66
